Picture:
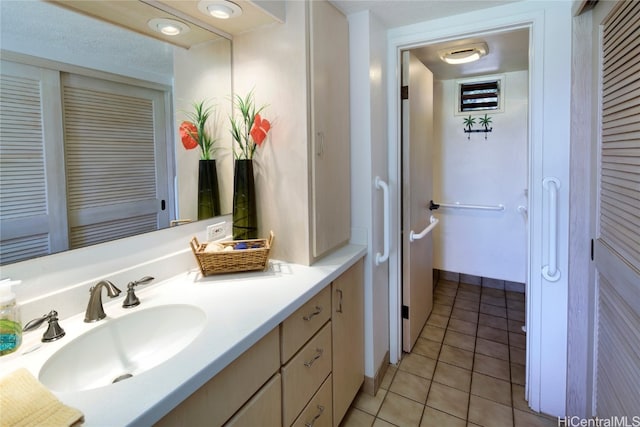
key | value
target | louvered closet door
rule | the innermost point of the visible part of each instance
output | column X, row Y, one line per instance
column 112, row 154
column 617, row 254
column 32, row 223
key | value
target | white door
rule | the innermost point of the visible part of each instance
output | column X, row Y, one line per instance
column 417, row 191
column 617, row 245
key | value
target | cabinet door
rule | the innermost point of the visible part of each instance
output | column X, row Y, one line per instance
column 330, row 160
column 348, row 338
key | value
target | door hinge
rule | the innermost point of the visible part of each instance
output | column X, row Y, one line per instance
column 404, row 92
column 591, row 249
column 405, row 311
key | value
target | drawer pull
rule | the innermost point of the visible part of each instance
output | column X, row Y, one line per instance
column 339, row 310
column 320, row 411
column 317, row 311
column 317, row 356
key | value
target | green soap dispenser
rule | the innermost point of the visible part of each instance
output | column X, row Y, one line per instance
column 10, row 326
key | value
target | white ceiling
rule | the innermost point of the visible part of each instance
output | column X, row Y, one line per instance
column 508, row 51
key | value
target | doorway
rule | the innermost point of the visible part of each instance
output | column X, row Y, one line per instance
column 477, row 178
column 548, row 222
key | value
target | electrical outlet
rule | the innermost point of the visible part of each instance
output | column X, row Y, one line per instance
column 216, row 231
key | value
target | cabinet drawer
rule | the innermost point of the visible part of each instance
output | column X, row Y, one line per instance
column 265, row 408
column 318, row 412
column 217, row 400
column 306, row 371
column 301, row 325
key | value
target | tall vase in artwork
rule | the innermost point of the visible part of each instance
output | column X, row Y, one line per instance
column 245, row 218
column 208, row 192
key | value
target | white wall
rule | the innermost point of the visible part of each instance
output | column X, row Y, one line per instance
column 482, row 171
column 203, row 72
column 367, row 46
column 272, row 62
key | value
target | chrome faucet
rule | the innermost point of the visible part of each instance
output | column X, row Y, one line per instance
column 95, row 311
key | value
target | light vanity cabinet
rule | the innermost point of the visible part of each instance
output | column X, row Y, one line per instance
column 347, row 322
column 223, row 395
column 306, row 371
column 330, row 139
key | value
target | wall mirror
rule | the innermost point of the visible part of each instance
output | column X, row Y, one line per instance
column 68, row 55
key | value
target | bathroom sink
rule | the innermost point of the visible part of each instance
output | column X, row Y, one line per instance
column 122, row 348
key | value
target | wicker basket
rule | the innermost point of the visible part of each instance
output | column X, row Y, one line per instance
column 253, row 258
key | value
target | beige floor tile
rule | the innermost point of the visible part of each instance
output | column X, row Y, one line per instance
column 432, row 333
column 492, row 321
column 497, row 301
column 427, row 348
column 517, row 396
column 456, row 339
column 411, row 386
column 434, row 418
column 447, row 289
column 515, row 326
column 518, row 355
column 418, row 365
column 461, row 326
column 515, row 314
column 493, row 310
column 491, row 366
column 456, row 356
column 382, row 423
column 464, row 304
column 438, row 320
column 448, row 399
column 491, row 388
column 466, row 315
column 492, row 348
column 493, row 292
column 401, row 411
column 441, row 309
column 517, row 374
column 370, row 404
column 357, row 418
column 488, row 413
column 515, row 304
column 447, row 283
column 470, row 288
column 388, row 377
column 453, row 376
column 443, row 299
column 527, row 419
column 493, row 334
column 517, row 340
column 471, row 296
column 518, row 296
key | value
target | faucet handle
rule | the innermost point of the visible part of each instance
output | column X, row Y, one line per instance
column 54, row 330
column 131, row 299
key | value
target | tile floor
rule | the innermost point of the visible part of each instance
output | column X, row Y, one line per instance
column 466, row 369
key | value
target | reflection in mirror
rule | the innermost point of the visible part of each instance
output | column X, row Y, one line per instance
column 59, row 188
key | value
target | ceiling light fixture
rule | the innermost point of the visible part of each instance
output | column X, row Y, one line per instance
column 464, row 54
column 221, row 9
column 169, row 27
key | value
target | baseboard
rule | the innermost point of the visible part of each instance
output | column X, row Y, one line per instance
column 371, row 385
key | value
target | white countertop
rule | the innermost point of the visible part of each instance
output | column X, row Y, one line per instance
column 241, row 308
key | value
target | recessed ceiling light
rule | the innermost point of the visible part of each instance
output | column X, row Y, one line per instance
column 221, row 9
column 464, row 54
column 169, row 27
